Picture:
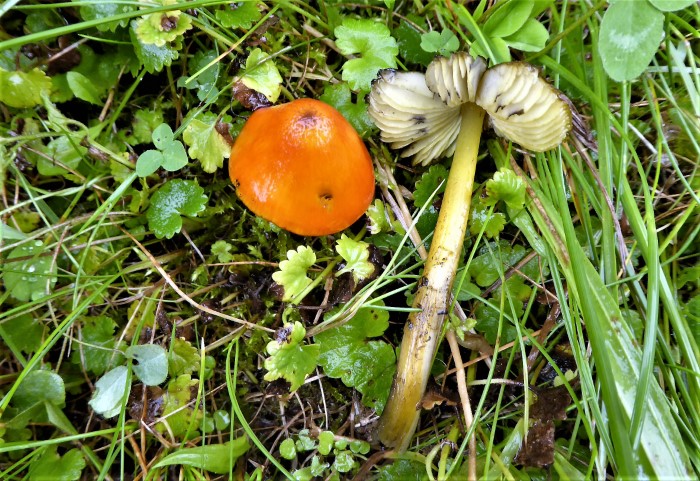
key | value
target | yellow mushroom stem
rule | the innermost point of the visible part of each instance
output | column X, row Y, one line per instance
column 423, row 329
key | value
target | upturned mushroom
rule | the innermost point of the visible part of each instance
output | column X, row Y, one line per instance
column 438, row 114
column 303, row 167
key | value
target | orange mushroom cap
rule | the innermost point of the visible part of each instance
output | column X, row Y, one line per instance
column 302, row 166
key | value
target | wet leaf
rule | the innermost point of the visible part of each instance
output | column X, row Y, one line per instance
column 33, row 275
column 289, row 358
column 175, row 198
column 347, row 352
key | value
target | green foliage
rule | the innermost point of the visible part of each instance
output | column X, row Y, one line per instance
column 377, row 215
column 215, row 458
column 261, row 74
column 340, row 97
column 110, row 391
column 629, row 38
column 23, row 332
column 483, row 217
column 409, row 38
column 177, row 413
column 83, row 88
column 510, row 25
column 432, row 180
column 355, row 253
column 97, row 350
column 29, row 273
column 105, row 11
column 347, row 352
column 506, row 186
column 206, row 143
column 175, row 198
column 373, row 43
column 241, row 15
column 289, row 358
column 161, row 28
column 222, row 250
column 292, row 273
column 52, row 467
column 151, row 56
column 183, row 358
column 81, row 101
column 150, row 363
column 288, row 449
column 170, row 154
column 204, row 81
column 23, row 89
column 443, row 43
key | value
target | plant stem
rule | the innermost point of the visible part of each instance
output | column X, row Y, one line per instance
column 423, row 329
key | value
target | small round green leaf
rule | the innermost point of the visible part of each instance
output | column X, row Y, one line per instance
column 152, row 363
column 162, row 136
column 174, row 156
column 287, row 449
column 148, row 162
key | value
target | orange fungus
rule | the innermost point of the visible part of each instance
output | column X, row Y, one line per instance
column 302, row 166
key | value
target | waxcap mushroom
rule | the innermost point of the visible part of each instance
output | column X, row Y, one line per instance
column 303, row 167
column 422, row 112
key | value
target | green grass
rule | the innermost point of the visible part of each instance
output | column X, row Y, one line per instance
column 586, row 302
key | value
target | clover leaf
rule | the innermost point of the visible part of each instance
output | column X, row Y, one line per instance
column 629, row 38
column 367, row 365
column 355, row 253
column 175, row 198
column 170, row 155
column 442, row 43
column 289, row 358
column 292, row 274
column 206, row 143
column 376, row 48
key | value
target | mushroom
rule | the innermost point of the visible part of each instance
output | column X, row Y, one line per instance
column 441, row 114
column 303, row 167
